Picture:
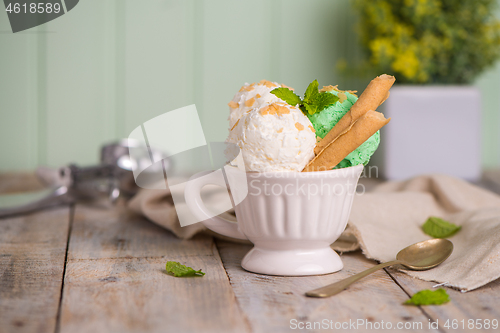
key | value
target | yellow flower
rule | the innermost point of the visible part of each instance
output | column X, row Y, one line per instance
column 382, row 50
column 430, row 40
column 407, row 64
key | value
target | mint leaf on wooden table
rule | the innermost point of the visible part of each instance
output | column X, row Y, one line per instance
column 287, row 95
column 429, row 297
column 439, row 228
column 313, row 102
column 178, row 270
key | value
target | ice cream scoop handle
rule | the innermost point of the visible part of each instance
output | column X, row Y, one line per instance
column 200, row 211
column 337, row 287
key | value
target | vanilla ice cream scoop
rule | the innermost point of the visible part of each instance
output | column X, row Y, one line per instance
column 274, row 137
column 251, row 96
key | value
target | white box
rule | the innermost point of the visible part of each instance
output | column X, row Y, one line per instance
column 434, row 129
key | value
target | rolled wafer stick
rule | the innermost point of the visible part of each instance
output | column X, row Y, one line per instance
column 386, row 97
column 375, row 94
column 345, row 143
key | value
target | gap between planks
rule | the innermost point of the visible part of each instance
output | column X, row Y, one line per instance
column 440, row 328
column 115, row 279
column 70, row 226
column 272, row 302
column 480, row 304
column 245, row 317
column 32, row 251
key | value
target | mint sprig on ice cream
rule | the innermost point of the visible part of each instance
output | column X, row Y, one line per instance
column 314, row 101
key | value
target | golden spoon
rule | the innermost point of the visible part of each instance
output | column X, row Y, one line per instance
column 419, row 256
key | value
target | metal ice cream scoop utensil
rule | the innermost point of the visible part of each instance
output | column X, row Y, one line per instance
column 109, row 180
column 420, row 256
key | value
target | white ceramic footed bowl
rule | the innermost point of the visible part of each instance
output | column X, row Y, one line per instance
column 290, row 217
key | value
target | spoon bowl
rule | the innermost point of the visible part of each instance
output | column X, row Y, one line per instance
column 419, row 257
column 426, row 254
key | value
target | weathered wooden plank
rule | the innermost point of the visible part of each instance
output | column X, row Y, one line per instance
column 476, row 305
column 32, row 252
column 491, row 180
column 100, row 232
column 136, row 295
column 116, row 282
column 15, row 182
column 277, row 304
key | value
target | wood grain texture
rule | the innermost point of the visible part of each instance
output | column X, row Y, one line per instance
column 491, row 180
column 103, row 233
column 480, row 304
column 271, row 302
column 136, row 295
column 116, row 282
column 32, row 252
column 16, row 182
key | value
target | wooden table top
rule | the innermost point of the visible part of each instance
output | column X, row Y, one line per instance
column 84, row 268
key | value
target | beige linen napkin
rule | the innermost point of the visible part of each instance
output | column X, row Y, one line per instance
column 389, row 218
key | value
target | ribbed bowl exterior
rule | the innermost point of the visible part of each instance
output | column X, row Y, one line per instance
column 306, row 210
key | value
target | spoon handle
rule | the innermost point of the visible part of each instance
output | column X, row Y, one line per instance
column 337, row 287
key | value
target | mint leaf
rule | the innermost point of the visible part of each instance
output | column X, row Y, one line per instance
column 310, row 108
column 313, row 101
column 287, row 95
column 176, row 269
column 429, row 297
column 311, row 92
column 439, row 228
column 324, row 100
column 319, row 103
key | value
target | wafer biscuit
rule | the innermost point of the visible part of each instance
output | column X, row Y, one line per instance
column 375, row 94
column 344, row 144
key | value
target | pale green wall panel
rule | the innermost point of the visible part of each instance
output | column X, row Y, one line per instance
column 159, row 75
column 107, row 66
column 18, row 97
column 308, row 45
column 80, row 89
column 159, row 55
column 235, row 47
column 290, row 41
column 489, row 84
